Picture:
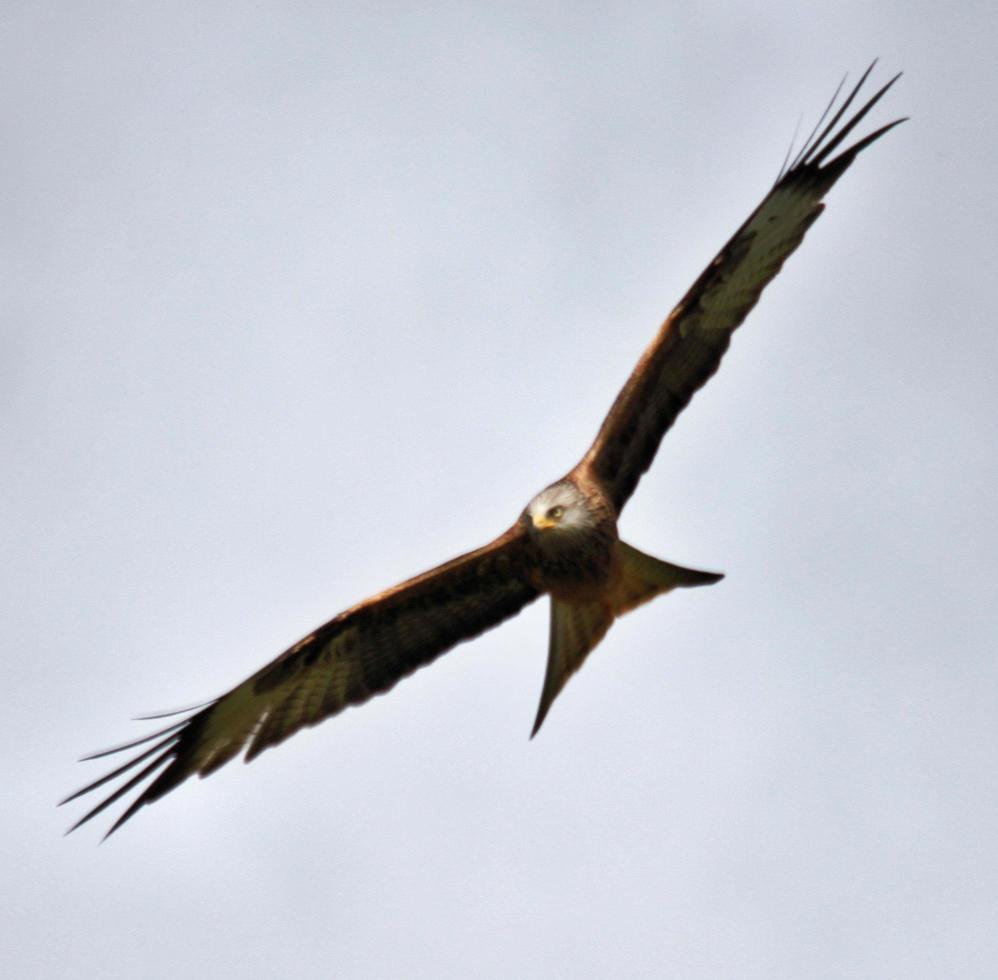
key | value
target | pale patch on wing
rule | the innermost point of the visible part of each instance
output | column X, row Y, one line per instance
column 234, row 720
column 766, row 241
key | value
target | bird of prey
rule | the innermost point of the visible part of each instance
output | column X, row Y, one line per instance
column 564, row 543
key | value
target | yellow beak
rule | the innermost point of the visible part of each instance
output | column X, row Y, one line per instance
column 542, row 522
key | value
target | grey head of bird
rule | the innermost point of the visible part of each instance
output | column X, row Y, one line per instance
column 558, row 509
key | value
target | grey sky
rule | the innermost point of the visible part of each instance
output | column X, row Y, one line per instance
column 302, row 299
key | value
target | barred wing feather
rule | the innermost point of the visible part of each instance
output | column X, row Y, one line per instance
column 362, row 652
column 690, row 344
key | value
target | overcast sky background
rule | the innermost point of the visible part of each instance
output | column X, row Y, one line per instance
column 302, row 299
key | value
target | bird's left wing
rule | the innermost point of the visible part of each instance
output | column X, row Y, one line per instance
column 694, row 337
column 362, row 652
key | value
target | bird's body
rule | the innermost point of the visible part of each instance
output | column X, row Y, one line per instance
column 564, row 544
column 577, row 558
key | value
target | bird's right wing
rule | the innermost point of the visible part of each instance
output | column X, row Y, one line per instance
column 362, row 652
column 694, row 337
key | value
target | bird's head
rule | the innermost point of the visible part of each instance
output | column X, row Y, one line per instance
column 562, row 506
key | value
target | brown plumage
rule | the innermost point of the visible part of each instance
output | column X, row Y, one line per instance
column 564, row 543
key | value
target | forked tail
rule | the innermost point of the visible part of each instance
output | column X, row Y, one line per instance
column 577, row 627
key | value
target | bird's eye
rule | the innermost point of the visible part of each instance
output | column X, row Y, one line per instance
column 555, row 513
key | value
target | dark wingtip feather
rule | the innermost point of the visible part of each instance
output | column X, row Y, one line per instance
column 790, row 150
column 170, row 752
column 166, row 745
column 807, row 143
column 813, row 160
column 839, row 113
column 836, row 141
column 131, row 745
column 156, row 763
column 175, row 711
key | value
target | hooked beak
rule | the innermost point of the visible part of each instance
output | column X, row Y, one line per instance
column 542, row 522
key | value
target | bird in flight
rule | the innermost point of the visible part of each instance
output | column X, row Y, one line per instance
column 564, row 543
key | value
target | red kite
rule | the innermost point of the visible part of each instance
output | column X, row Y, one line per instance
column 564, row 543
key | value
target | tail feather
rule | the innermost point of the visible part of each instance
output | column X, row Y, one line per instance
column 578, row 627
column 643, row 577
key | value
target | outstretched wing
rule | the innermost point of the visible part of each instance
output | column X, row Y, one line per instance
column 362, row 652
column 694, row 337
